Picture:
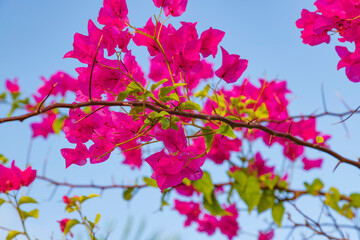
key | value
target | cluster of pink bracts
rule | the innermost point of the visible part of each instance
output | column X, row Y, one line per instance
column 339, row 16
column 13, row 178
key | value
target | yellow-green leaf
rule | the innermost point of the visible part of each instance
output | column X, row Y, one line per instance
column 226, row 130
column 26, row 199
column 150, row 182
column 97, row 218
column 128, row 194
column 189, row 105
column 69, row 225
column 156, row 85
column 277, row 213
column 12, row 234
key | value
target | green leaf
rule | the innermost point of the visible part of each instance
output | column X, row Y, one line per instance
column 163, row 201
column 12, row 234
column 34, row 213
column 24, row 101
column 130, row 89
column 135, row 112
column 209, row 137
column 128, row 194
column 277, row 213
column 92, row 225
column 283, row 184
column 226, row 130
column 14, row 106
column 252, row 193
column 3, row 95
column 150, row 182
column 232, row 117
column 69, row 225
column 26, row 199
column 315, row 187
column 355, row 200
column 266, row 201
column 189, row 105
column 213, row 206
column 58, row 125
column 156, row 85
column 332, row 199
column 2, row 201
column 97, row 218
column 3, row 159
column 240, row 180
column 203, row 93
column 205, row 186
column 15, row 95
column 346, row 211
column 84, row 198
column 270, row 181
column 154, row 115
column 262, row 112
column 164, row 91
column 172, row 96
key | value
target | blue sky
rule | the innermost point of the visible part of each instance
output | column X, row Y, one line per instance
column 35, row 34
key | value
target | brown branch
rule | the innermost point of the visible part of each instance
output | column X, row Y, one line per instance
column 316, row 227
column 323, row 114
column 233, row 124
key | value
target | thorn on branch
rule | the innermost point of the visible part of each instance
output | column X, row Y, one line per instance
column 352, row 113
column 47, row 96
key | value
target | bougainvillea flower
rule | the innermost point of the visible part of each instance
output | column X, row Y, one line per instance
column 63, row 223
column 59, row 83
column 13, row 178
column 260, row 166
column 228, row 224
column 12, row 86
column 232, row 67
column 292, row 150
column 185, row 190
column 84, row 49
column 308, row 35
column 193, row 79
column 170, row 170
column 173, row 7
column 210, row 40
column 266, row 235
column 350, row 61
column 207, row 224
column 76, row 156
column 26, row 177
column 310, row 164
column 45, row 127
column 190, row 209
column 133, row 158
column 221, row 148
column 174, row 140
column 114, row 12
column 142, row 40
column 100, row 151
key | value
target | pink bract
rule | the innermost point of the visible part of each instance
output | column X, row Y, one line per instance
column 232, row 67
column 12, row 86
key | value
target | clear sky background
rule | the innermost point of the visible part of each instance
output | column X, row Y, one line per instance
column 35, row 34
